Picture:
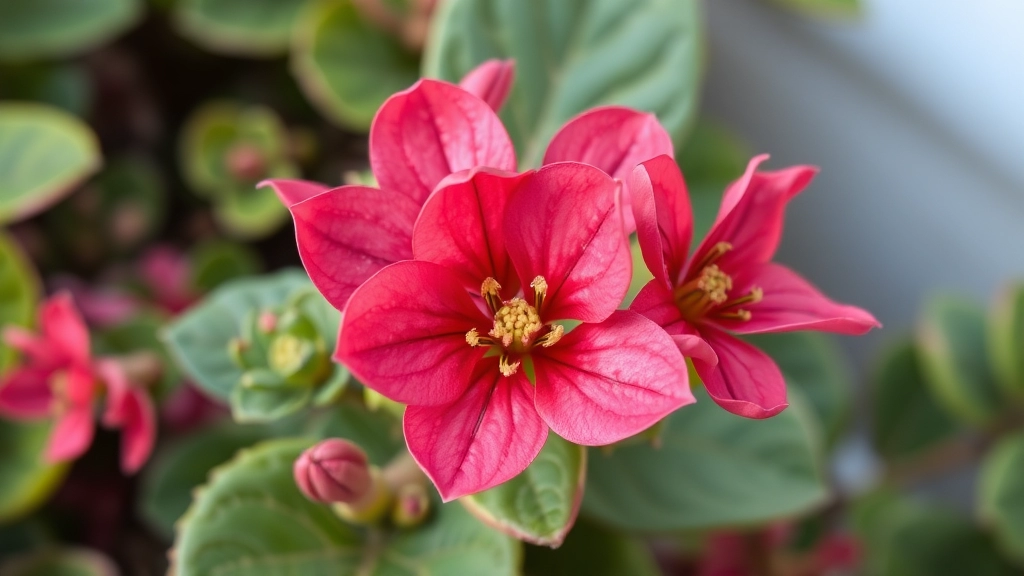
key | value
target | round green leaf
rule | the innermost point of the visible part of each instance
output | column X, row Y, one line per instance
column 812, row 363
column 906, row 419
column 18, row 292
column 346, row 66
column 903, row 537
column 954, row 355
column 572, row 55
column 180, row 467
column 539, row 505
column 713, row 469
column 251, row 519
column 26, row 480
column 52, row 28
column 60, row 562
column 251, row 212
column 242, row 27
column 44, row 153
column 1001, row 494
column 1006, row 339
column 593, row 550
column 198, row 339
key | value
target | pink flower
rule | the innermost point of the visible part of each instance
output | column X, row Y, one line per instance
column 729, row 285
column 60, row 379
column 419, row 137
column 466, row 334
column 57, row 379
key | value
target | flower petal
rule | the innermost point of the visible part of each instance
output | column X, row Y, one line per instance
column 404, row 334
column 791, row 303
column 347, row 234
column 565, row 224
column 63, row 327
column 25, row 394
column 605, row 382
column 656, row 303
column 487, row 436
column 72, row 434
column 461, row 227
column 751, row 215
column 138, row 430
column 490, row 81
column 746, row 381
column 292, row 192
column 664, row 221
column 431, row 130
column 614, row 139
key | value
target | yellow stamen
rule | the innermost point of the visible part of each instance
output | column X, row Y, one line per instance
column 491, row 291
column 716, row 252
column 547, row 340
column 715, row 283
column 516, row 323
column 473, row 338
column 506, row 368
column 741, row 315
column 540, row 290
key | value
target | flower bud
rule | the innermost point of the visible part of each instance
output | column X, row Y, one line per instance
column 490, row 81
column 245, row 162
column 334, row 470
column 266, row 321
column 412, row 504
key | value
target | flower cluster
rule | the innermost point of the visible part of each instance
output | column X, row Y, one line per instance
column 486, row 299
column 60, row 379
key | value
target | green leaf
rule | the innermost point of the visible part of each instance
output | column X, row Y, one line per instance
column 198, row 339
column 64, row 85
column 44, row 154
column 1001, row 495
column 711, row 159
column 539, row 505
column 251, row 519
column 573, row 55
column 593, row 550
column 60, row 562
column 26, row 480
column 251, row 213
column 346, row 66
column 19, row 288
column 906, row 420
column 714, row 469
column 183, row 465
column 954, row 356
column 240, row 27
column 825, row 8
column 1006, row 339
column 32, row 29
column 377, row 433
column 217, row 261
column 812, row 363
column 266, row 401
column 903, row 537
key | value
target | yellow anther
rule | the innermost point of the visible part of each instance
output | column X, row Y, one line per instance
column 507, row 368
column 557, row 330
column 540, row 291
column 473, row 337
column 716, row 252
column 715, row 283
column 491, row 291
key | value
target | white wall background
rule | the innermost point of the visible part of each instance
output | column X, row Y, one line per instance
column 915, row 114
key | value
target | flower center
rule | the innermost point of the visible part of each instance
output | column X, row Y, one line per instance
column 517, row 325
column 706, row 294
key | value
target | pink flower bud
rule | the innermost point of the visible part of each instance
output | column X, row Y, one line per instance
column 267, row 321
column 490, row 81
column 334, row 470
column 245, row 162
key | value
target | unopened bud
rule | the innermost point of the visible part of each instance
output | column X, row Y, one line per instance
column 412, row 504
column 266, row 321
column 334, row 470
column 245, row 162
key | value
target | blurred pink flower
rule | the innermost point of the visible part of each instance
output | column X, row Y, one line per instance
column 419, row 137
column 61, row 380
column 465, row 336
column 729, row 285
column 167, row 273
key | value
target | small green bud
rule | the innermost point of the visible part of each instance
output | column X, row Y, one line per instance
column 412, row 505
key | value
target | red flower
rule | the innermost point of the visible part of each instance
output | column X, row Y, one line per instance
column 419, row 137
column 465, row 334
column 729, row 284
column 61, row 380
